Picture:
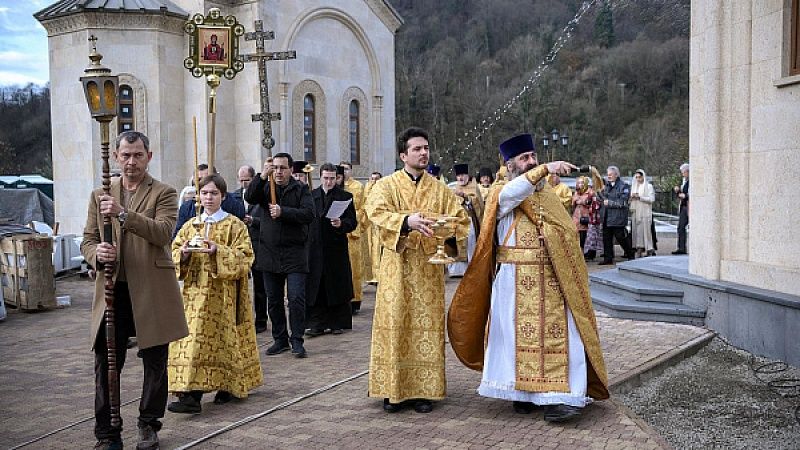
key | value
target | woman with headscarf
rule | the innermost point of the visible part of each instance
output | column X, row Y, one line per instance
column 642, row 197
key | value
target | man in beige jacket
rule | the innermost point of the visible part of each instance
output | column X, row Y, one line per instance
column 147, row 299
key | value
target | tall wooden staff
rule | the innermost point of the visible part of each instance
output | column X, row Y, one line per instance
column 100, row 88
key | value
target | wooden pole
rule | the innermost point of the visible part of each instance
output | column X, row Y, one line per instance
column 108, row 287
column 213, row 81
column 196, row 171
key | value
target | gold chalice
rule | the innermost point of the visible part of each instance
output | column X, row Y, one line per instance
column 443, row 228
column 196, row 243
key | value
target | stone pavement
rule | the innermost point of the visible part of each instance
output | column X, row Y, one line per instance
column 46, row 384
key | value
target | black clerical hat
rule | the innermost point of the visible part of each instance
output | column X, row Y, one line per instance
column 298, row 166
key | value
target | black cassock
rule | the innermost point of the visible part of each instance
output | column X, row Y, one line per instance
column 329, row 263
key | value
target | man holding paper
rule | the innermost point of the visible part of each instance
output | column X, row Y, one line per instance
column 336, row 216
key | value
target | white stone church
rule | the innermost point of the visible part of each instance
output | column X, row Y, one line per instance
column 336, row 99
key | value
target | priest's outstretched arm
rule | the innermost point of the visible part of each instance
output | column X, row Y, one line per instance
column 518, row 189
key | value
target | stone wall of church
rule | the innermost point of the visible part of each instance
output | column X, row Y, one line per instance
column 744, row 145
column 140, row 49
column 345, row 51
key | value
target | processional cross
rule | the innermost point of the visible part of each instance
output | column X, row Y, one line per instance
column 261, row 56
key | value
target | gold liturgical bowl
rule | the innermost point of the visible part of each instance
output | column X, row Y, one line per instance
column 196, row 244
column 443, row 228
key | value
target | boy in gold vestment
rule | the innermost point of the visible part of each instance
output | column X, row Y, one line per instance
column 220, row 354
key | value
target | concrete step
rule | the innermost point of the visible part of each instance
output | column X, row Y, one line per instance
column 626, row 308
column 619, row 282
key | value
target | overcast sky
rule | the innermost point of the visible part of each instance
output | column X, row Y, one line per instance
column 23, row 43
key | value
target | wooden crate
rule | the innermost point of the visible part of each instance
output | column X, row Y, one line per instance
column 27, row 271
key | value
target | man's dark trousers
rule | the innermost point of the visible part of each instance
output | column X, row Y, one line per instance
column 296, row 285
column 154, row 389
column 683, row 222
column 609, row 234
column 259, row 296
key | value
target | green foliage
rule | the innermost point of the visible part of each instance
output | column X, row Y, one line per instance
column 622, row 99
column 25, row 131
column 604, row 26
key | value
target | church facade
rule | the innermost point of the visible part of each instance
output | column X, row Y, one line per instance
column 336, row 99
column 744, row 146
column 744, row 142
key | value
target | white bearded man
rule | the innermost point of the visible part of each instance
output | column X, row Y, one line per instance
column 467, row 189
column 543, row 347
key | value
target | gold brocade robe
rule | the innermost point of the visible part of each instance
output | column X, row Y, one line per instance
column 354, row 238
column 564, row 194
column 550, row 258
column 221, row 351
column 372, row 259
column 484, row 191
column 407, row 353
column 476, row 215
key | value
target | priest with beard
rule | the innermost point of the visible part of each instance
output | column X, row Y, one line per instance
column 331, row 310
column 528, row 282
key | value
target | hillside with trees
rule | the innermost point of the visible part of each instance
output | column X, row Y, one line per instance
column 25, row 146
column 619, row 87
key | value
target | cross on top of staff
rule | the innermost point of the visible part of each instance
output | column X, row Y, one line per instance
column 261, row 56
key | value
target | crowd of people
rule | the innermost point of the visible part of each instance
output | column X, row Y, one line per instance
column 182, row 275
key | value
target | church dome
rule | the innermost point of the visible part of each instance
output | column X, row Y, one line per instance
column 67, row 7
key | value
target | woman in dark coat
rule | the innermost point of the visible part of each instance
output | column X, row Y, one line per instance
column 331, row 308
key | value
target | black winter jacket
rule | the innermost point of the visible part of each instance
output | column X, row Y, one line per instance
column 282, row 241
column 615, row 214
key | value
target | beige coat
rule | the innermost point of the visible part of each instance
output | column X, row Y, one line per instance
column 150, row 273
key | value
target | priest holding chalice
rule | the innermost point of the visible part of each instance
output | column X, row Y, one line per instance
column 411, row 211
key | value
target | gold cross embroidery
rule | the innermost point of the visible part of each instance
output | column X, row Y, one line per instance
column 528, row 330
column 528, row 282
column 527, row 239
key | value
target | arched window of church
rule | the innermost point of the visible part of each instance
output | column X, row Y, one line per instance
column 309, row 143
column 355, row 141
column 125, row 120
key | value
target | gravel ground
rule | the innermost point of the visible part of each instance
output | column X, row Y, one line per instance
column 715, row 400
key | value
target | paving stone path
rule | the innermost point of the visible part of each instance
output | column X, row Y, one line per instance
column 46, row 383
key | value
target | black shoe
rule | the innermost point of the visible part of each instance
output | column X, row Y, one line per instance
column 630, row 257
column 222, row 397
column 148, row 438
column 391, row 407
column 261, row 327
column 560, row 413
column 605, row 262
column 314, row 332
column 523, row 407
column 186, row 404
column 679, row 252
column 337, row 331
column 108, row 444
column 651, row 253
column 277, row 348
column 299, row 351
column 423, row 406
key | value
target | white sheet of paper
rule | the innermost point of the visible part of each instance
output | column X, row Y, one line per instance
column 337, row 209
